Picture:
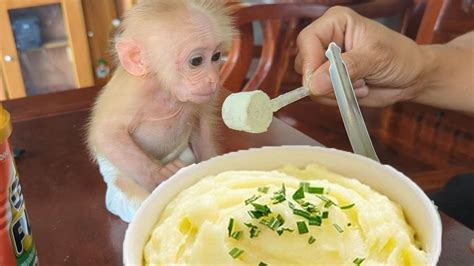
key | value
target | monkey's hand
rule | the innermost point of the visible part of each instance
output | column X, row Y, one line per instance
column 163, row 172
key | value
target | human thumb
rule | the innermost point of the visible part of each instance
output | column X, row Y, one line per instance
column 319, row 82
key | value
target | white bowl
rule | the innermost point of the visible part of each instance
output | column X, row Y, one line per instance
column 420, row 212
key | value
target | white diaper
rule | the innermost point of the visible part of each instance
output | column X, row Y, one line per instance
column 124, row 196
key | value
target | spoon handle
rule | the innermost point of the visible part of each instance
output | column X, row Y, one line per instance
column 289, row 97
column 347, row 102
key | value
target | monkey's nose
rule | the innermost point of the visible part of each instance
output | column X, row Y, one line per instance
column 213, row 84
column 213, row 77
column 211, row 81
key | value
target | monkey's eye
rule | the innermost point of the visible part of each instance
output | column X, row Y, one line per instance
column 196, row 61
column 216, row 57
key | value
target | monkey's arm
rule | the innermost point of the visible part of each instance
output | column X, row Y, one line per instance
column 203, row 141
column 116, row 144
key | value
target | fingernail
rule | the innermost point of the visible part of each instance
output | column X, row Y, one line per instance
column 307, row 79
column 320, row 84
column 307, row 69
column 361, row 92
column 359, row 83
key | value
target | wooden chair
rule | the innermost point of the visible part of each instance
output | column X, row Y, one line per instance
column 444, row 20
column 281, row 23
column 431, row 135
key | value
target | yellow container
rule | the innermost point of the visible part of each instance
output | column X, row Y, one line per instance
column 16, row 241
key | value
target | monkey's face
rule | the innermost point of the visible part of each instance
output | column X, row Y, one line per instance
column 198, row 69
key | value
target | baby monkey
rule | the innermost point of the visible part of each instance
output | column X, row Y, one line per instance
column 156, row 114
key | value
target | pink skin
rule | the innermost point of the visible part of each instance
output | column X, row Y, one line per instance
column 155, row 123
column 198, row 83
column 203, row 142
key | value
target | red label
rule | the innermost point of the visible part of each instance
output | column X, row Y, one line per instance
column 7, row 255
column 16, row 242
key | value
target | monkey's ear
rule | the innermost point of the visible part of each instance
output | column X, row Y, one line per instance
column 130, row 56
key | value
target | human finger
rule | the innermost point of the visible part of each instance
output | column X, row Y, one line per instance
column 381, row 97
column 314, row 39
column 358, row 66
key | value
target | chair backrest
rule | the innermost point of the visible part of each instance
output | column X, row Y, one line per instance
column 437, row 137
column 280, row 24
column 444, row 20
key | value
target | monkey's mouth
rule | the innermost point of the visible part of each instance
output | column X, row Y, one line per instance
column 208, row 94
column 204, row 94
column 203, row 97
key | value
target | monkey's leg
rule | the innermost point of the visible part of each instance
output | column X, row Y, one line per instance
column 124, row 196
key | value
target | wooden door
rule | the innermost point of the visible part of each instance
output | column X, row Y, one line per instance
column 3, row 96
column 101, row 23
column 75, row 48
column 9, row 57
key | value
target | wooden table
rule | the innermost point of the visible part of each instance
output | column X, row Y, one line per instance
column 64, row 191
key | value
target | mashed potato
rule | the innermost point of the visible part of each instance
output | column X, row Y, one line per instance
column 287, row 217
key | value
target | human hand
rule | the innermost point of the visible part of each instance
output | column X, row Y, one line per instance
column 384, row 66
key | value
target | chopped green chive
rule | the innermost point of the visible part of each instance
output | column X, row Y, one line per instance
column 262, row 264
column 302, row 213
column 325, row 215
column 338, row 228
column 291, row 205
column 270, row 222
column 303, row 203
column 235, row 253
column 323, row 198
column 311, row 240
column 273, row 223
column 302, row 228
column 312, row 208
column 328, row 203
column 230, row 226
column 347, row 206
column 299, row 194
column 251, row 199
column 315, row 190
column 280, row 219
column 305, row 186
column 250, row 225
column 253, row 230
column 280, row 195
column 263, row 189
column 283, row 229
column 260, row 211
column 254, row 214
column 261, row 208
column 358, row 261
column 315, row 220
column 307, row 206
column 277, row 199
column 237, row 235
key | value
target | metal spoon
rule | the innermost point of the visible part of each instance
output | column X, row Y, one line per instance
column 348, row 106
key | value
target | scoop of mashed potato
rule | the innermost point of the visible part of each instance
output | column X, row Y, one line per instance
column 289, row 216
